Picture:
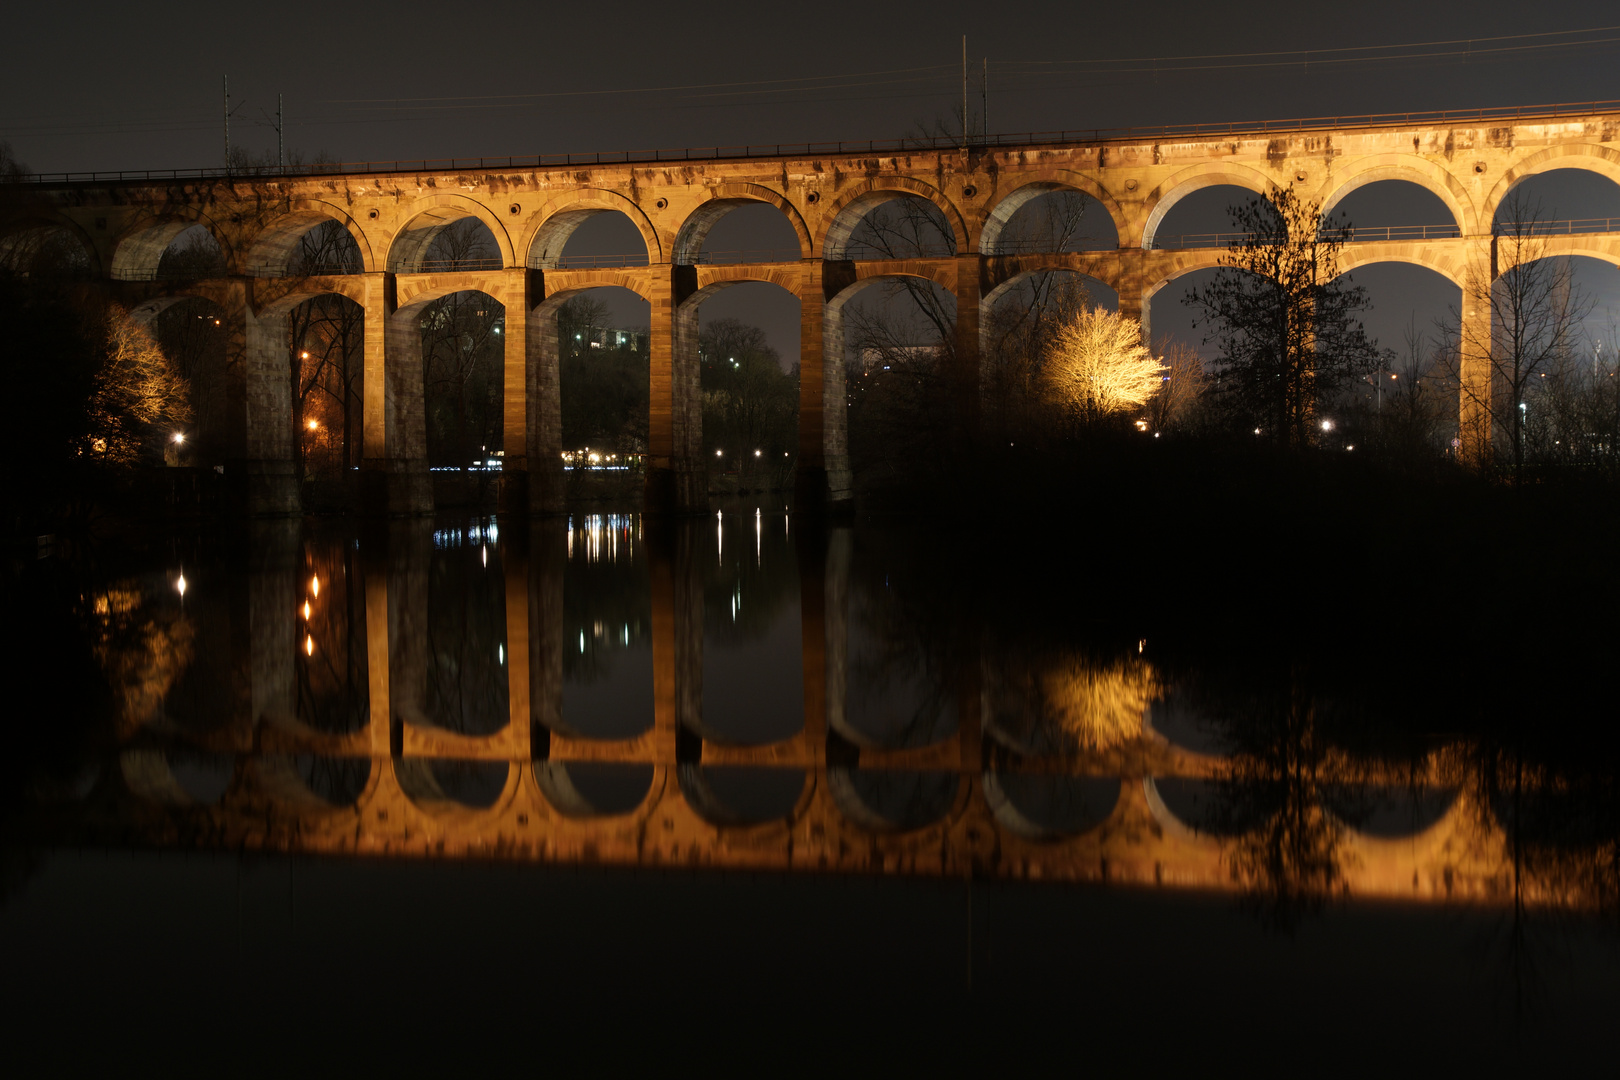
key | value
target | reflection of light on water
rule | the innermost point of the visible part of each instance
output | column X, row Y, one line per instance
column 315, row 586
column 602, row 532
column 309, row 645
column 759, row 526
column 483, row 555
column 1099, row 706
column 306, row 611
column 500, row 650
column 476, row 534
column 582, row 641
column 180, row 584
column 719, row 537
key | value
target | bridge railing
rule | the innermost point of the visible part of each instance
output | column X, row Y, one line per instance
column 1156, row 133
column 1573, row 227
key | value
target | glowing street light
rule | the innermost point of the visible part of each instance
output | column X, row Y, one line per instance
column 179, row 438
column 313, row 425
column 1327, row 425
column 180, row 584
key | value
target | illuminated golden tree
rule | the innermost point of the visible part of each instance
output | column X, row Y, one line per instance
column 1097, row 365
column 136, row 389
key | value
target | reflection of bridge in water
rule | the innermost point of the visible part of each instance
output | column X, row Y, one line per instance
column 497, row 768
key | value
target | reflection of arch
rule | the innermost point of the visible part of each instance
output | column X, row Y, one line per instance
column 1045, row 806
column 560, row 217
column 448, row 787
column 722, row 200
column 1188, row 808
column 1212, row 174
column 581, row 789
column 1599, row 159
column 846, row 213
column 1412, row 170
column 138, row 252
column 1391, row 813
column 897, row 800
column 435, row 213
column 745, row 795
column 1016, row 199
column 313, row 784
column 184, row 779
column 274, row 246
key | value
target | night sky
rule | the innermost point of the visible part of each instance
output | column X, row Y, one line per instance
column 139, row 86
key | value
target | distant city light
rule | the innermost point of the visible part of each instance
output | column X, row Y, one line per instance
column 180, row 584
column 1327, row 425
column 179, row 438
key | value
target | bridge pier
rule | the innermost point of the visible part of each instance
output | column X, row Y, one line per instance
column 394, row 469
column 677, row 476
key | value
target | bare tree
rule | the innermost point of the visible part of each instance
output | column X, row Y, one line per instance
column 461, row 352
column 136, row 391
column 1535, row 324
column 1181, row 387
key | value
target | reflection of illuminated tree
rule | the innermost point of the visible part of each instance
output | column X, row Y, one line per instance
column 1067, row 702
column 143, row 646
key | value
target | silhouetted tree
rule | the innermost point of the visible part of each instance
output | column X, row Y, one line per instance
column 1283, row 319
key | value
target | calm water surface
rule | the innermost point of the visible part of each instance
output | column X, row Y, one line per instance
column 754, row 767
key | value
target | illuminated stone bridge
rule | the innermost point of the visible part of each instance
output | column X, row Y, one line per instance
column 1470, row 161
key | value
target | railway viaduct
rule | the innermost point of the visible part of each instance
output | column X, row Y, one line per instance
column 1470, row 161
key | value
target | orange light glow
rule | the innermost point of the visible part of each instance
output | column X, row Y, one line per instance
column 306, row 611
column 309, row 645
column 315, row 586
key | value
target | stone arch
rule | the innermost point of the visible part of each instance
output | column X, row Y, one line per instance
column 1603, row 248
column 1450, row 264
column 1212, row 174
column 10, row 241
column 1019, row 270
column 137, row 253
column 273, row 246
column 279, row 302
column 721, row 201
column 1412, row 169
column 1599, row 159
column 558, row 219
column 1009, row 204
column 847, row 211
column 433, row 214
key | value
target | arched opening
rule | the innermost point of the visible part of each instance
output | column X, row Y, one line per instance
column 587, row 238
column 600, row 343
column 305, row 243
column 1048, row 218
column 331, row 665
column 445, row 239
column 1047, row 807
column 1017, row 322
column 193, row 253
column 326, row 346
column 591, row 789
column 741, row 795
column 890, row 225
column 1180, row 722
column 606, row 634
column 312, row 781
column 746, row 335
column 1393, row 210
column 753, row 659
column 1407, row 407
column 893, row 800
column 45, row 251
column 171, row 250
column 1167, row 319
column 1555, row 349
column 448, row 650
column 1560, row 202
column 441, row 784
column 464, row 382
column 1200, row 218
column 895, row 339
column 726, row 231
